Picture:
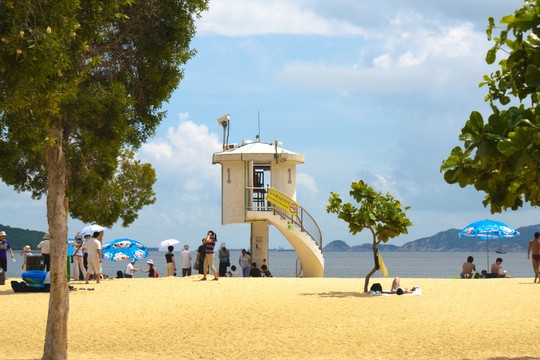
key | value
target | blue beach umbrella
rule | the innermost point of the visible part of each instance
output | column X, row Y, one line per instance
column 488, row 229
column 123, row 250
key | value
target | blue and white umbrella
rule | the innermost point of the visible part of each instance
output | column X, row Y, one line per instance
column 488, row 229
column 123, row 250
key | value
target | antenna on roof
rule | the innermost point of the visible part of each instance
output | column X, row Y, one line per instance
column 258, row 137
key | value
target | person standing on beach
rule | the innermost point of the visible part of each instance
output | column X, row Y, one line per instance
column 45, row 246
column 4, row 247
column 186, row 257
column 468, row 267
column 171, row 265
column 210, row 243
column 224, row 260
column 92, row 246
column 534, row 244
column 77, row 257
column 244, row 261
column 201, row 253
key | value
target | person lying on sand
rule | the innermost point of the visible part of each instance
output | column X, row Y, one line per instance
column 398, row 289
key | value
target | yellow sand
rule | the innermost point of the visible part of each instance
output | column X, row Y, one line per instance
column 282, row 318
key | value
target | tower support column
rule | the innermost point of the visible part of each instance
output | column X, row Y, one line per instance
column 259, row 243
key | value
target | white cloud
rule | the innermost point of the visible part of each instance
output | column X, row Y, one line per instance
column 411, row 54
column 306, row 181
column 185, row 153
column 262, row 17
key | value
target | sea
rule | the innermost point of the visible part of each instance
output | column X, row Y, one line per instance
column 441, row 265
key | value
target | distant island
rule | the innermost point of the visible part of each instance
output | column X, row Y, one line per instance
column 447, row 241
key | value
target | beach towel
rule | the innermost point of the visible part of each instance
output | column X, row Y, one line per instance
column 417, row 292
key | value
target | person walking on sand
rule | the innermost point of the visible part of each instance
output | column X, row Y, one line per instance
column 92, row 246
column 534, row 244
column 210, row 243
column 468, row 267
column 171, row 265
column 186, row 257
column 45, row 246
column 4, row 247
column 244, row 261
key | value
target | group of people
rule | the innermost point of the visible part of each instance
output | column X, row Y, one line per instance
column 204, row 262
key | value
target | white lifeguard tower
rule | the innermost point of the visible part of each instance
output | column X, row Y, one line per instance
column 258, row 186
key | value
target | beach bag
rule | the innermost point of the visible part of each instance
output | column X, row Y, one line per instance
column 376, row 287
column 196, row 265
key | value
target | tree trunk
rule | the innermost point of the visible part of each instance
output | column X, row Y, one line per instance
column 376, row 267
column 57, row 210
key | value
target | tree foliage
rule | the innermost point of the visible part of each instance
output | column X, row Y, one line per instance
column 381, row 214
column 81, row 85
column 502, row 156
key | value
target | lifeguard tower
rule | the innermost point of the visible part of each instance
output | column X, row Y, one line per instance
column 258, row 186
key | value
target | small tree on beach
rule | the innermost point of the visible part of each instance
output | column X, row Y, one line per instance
column 502, row 156
column 81, row 85
column 381, row 214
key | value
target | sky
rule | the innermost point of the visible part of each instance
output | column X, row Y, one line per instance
column 371, row 90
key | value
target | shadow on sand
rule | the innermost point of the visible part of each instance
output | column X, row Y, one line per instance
column 338, row 294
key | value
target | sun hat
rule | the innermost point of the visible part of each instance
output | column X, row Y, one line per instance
column 186, row 246
column 46, row 237
column 85, row 235
column 222, row 244
column 2, row 233
column 150, row 261
column 26, row 248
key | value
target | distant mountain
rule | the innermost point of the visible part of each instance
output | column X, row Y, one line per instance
column 19, row 238
column 450, row 241
column 337, row 245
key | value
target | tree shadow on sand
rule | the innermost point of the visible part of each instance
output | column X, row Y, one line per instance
column 514, row 358
column 338, row 294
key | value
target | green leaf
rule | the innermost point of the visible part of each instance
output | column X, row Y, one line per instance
column 491, row 55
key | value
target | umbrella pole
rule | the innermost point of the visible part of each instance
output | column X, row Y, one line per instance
column 487, row 269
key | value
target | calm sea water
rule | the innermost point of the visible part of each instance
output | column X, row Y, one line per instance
column 349, row 264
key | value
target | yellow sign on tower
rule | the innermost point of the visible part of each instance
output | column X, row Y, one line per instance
column 282, row 201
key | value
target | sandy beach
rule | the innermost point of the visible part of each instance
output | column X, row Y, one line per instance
column 282, row 318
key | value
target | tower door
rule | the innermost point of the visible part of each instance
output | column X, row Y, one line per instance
column 261, row 182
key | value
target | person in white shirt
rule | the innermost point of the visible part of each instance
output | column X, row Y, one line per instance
column 77, row 257
column 92, row 246
column 45, row 247
column 186, row 257
column 233, row 272
column 128, row 273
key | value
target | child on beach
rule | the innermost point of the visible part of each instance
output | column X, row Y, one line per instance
column 265, row 271
column 26, row 253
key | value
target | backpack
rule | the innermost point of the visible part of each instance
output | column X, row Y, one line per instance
column 376, row 287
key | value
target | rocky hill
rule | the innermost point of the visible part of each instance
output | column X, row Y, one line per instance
column 449, row 241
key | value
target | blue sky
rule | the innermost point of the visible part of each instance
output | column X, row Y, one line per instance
column 365, row 90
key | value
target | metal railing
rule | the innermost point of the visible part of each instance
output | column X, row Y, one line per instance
column 255, row 201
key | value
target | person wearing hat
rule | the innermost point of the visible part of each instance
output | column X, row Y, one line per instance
column 152, row 272
column 78, row 259
column 128, row 273
column 92, row 246
column 45, row 246
column 186, row 258
column 4, row 247
column 224, row 260
column 26, row 251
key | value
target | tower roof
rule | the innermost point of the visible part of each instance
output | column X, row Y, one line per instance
column 258, row 152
